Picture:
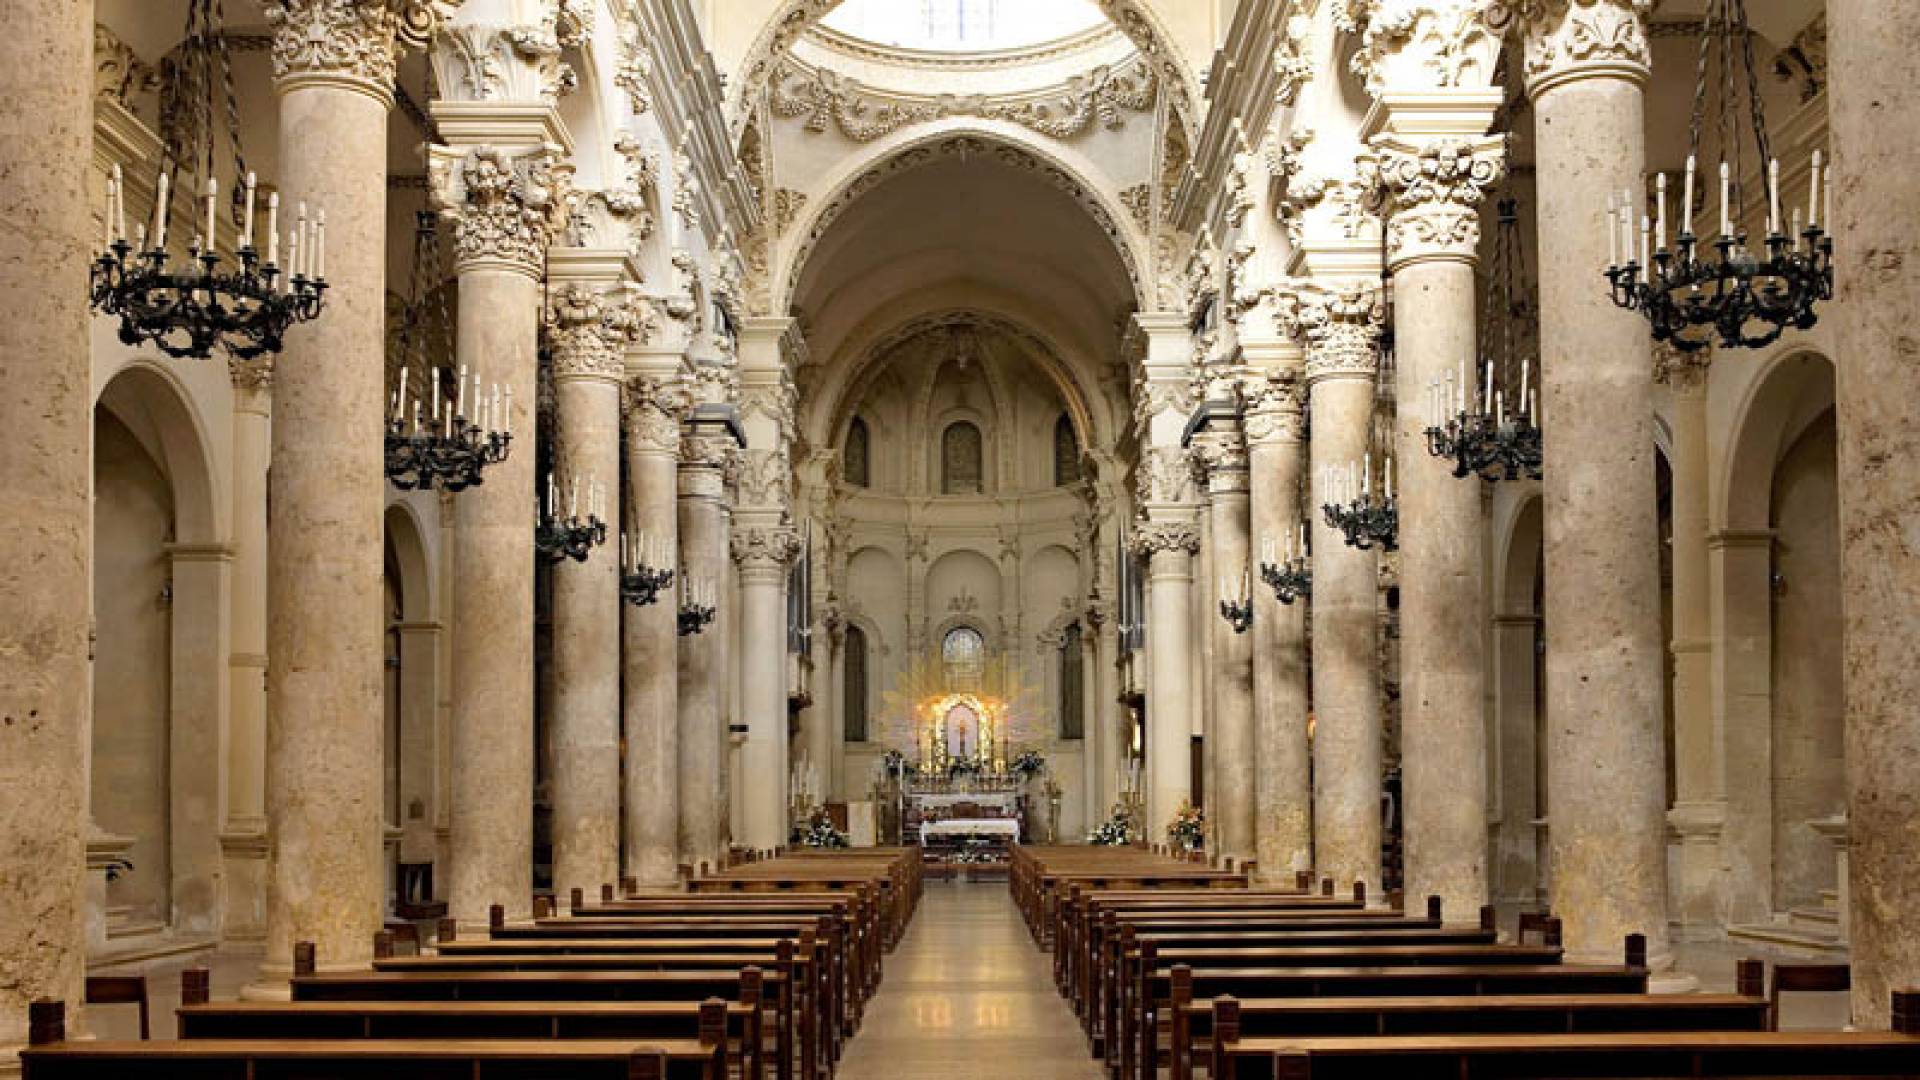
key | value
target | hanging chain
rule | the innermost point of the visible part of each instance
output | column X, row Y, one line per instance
column 237, row 195
column 1760, row 141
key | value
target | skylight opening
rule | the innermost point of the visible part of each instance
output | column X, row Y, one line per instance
column 962, row 25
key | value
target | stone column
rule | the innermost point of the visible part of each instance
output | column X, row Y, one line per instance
column 1283, row 793
column 704, row 452
column 1699, row 809
column 1516, row 858
column 1874, row 227
column 325, row 554
column 1343, row 331
column 1223, row 451
column 655, row 404
column 1169, row 545
column 764, row 546
column 1167, row 538
column 243, row 833
column 587, row 322
column 46, row 238
column 1586, row 70
column 500, row 201
column 1435, row 184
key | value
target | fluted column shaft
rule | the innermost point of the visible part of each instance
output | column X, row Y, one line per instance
column 584, row 739
column 1283, row 822
column 702, row 656
column 324, row 558
column 1587, row 73
column 1230, row 739
column 46, row 535
column 650, row 709
column 498, row 256
column 1436, row 185
column 1876, row 236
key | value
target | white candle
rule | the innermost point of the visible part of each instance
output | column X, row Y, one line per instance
column 1727, row 183
column 1660, row 203
column 1486, row 396
column 1613, row 238
column 119, row 205
column 462, row 406
column 416, row 416
column 160, row 212
column 246, row 224
column 1626, row 224
column 293, row 255
column 1773, row 196
column 1303, row 538
column 1796, row 228
column 296, row 254
column 1686, row 200
column 1646, row 253
column 1499, row 408
column 1366, row 474
column 1389, row 481
column 320, row 248
column 573, row 499
column 1525, row 371
column 1813, row 193
column 213, row 189
column 273, row 228
column 106, row 219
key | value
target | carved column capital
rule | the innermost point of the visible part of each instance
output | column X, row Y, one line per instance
column 655, row 406
column 1423, row 43
column 251, row 376
column 353, row 44
column 1275, row 400
column 765, row 548
column 1220, row 456
column 1434, row 190
column 1341, row 330
column 1152, row 538
column 1165, row 476
column 584, row 341
column 1568, row 40
column 505, row 205
column 1685, row 373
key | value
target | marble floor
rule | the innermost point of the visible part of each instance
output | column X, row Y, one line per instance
column 967, row 994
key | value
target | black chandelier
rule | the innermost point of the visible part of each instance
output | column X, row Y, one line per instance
column 1492, row 429
column 1290, row 578
column 643, row 569
column 1698, row 294
column 1363, row 516
column 1236, row 602
column 557, row 539
column 187, row 308
column 448, row 439
column 699, row 607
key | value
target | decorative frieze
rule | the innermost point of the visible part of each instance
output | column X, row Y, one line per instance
column 1165, row 475
column 828, row 100
column 1435, row 191
column 1348, row 199
column 1292, row 66
column 1220, row 458
column 634, row 72
column 255, row 375
column 620, row 217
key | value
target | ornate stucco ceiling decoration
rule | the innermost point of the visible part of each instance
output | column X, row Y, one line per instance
column 964, row 146
column 826, row 99
column 1073, row 45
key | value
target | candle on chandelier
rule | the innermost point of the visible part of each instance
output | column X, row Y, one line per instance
column 1486, row 395
column 1389, row 479
column 506, row 428
column 293, row 258
column 320, row 248
column 160, row 212
column 297, row 254
column 1813, row 193
column 461, row 408
column 273, row 228
column 1726, row 215
column 1686, row 200
column 246, row 223
column 1626, row 224
column 213, row 188
column 1660, row 203
column 1303, row 539
column 1773, row 197
column 1613, row 238
column 1646, row 254
column 552, row 492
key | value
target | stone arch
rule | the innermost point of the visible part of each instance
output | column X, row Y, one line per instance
column 911, row 148
column 1788, row 393
column 407, row 538
column 152, row 401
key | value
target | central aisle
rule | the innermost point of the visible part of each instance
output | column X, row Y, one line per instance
column 967, row 994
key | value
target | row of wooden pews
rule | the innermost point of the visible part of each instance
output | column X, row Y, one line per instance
column 760, row 971
column 1182, row 970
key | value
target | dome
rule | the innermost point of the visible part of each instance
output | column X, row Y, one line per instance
column 963, row 26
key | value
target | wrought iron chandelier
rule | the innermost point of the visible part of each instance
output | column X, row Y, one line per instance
column 1290, row 578
column 448, row 439
column 1236, row 602
column 1696, row 294
column 1494, row 434
column 1364, row 517
column 572, row 537
column 699, row 607
column 187, row 308
column 643, row 569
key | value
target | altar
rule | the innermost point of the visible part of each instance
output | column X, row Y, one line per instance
column 1002, row 830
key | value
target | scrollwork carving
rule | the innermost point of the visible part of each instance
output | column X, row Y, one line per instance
column 1150, row 538
column 655, row 406
column 505, row 207
column 765, row 548
column 1341, row 328
column 1562, row 37
column 350, row 39
column 1435, row 190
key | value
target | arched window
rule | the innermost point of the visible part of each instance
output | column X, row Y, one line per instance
column 1066, row 452
column 1073, row 699
column 853, row 460
column 960, row 459
column 855, row 691
column 963, row 653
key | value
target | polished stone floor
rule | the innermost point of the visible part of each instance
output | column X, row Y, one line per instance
column 967, row 994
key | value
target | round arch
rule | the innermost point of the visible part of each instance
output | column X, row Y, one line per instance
column 1792, row 390
column 152, row 402
column 408, row 541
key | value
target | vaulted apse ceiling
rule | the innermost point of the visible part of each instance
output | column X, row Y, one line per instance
column 965, row 232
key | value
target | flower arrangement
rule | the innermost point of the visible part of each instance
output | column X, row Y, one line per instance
column 1116, row 831
column 962, row 767
column 1029, row 764
column 975, row 851
column 1188, row 829
column 820, row 832
column 895, row 762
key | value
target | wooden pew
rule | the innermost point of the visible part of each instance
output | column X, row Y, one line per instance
column 1234, row 1056
column 49, row 1056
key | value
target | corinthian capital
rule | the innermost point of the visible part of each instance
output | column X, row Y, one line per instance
column 1220, row 455
column 655, row 407
column 1274, row 402
column 1424, row 44
column 1574, row 39
column 505, row 205
column 1435, row 188
column 1341, row 328
column 765, row 548
column 583, row 341
column 355, row 43
column 1152, row 537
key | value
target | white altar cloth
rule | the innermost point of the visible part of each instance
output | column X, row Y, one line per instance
column 1004, row 801
column 1005, row 828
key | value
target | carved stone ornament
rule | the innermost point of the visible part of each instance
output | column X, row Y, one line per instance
column 1165, row 475
column 712, row 452
column 119, row 74
column 1424, row 43
column 1435, row 190
column 588, row 330
column 1346, row 202
column 1564, row 38
column 504, row 207
column 1220, row 456
column 251, row 375
column 357, row 40
column 655, row 406
column 1341, row 328
column 765, row 548
column 621, row 217
column 634, row 72
column 766, row 478
column 1275, row 409
column 1151, row 397
column 1292, row 66
column 826, row 99
column 1683, row 372
column 490, row 62
column 1150, row 538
